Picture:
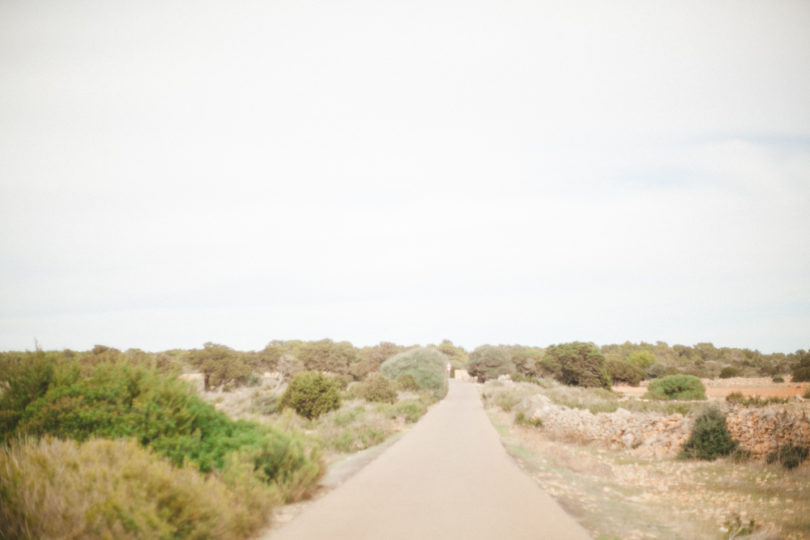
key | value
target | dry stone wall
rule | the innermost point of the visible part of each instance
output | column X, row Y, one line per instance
column 759, row 430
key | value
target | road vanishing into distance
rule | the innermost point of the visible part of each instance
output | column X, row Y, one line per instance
column 448, row 478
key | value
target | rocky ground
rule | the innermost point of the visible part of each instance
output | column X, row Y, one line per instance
column 618, row 472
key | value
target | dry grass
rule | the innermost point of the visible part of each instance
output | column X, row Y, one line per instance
column 116, row 489
column 618, row 496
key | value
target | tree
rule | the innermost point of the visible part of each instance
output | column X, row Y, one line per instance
column 489, row 362
column 581, row 364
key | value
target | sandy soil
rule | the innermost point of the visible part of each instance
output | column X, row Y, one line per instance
column 748, row 386
column 449, row 477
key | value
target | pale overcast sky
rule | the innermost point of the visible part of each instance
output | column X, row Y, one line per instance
column 486, row 171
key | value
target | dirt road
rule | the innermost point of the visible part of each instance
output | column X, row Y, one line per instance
column 448, row 478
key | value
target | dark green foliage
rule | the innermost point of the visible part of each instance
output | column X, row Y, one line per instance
column 622, row 372
column 801, row 370
column 778, row 379
column 789, row 455
column 489, row 362
column 728, row 372
column 676, row 387
column 581, row 364
column 376, row 387
column 121, row 400
column 23, row 379
column 427, row 366
column 311, row 394
column 710, row 437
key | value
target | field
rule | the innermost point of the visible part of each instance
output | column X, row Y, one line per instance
column 748, row 386
column 624, row 493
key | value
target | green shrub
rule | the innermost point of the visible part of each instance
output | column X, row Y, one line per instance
column 120, row 400
column 801, row 370
column 789, row 455
column 490, row 362
column 737, row 398
column 310, row 394
column 622, row 372
column 412, row 410
column 55, row 488
column 710, row 437
column 407, row 382
column 778, row 379
column 329, row 356
column 581, row 364
column 676, row 387
column 807, row 393
column 641, row 359
column 377, row 388
column 23, row 379
column 728, row 372
column 427, row 366
column 521, row 420
column 221, row 365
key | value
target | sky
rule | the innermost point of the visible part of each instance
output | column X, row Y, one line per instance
column 509, row 171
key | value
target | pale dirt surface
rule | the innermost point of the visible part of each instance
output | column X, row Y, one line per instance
column 616, row 495
column 448, row 478
column 747, row 386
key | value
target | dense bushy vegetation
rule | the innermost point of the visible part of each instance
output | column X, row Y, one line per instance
column 44, row 396
column 311, row 394
column 490, row 362
column 789, row 455
column 581, row 364
column 710, row 437
column 455, row 354
column 624, row 372
column 376, row 387
column 427, row 366
column 55, row 488
column 801, row 369
column 702, row 360
column 676, row 387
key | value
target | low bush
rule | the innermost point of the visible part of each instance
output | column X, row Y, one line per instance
column 789, row 455
column 376, row 387
column 807, row 393
column 710, row 437
column 676, row 387
column 411, row 410
column 778, row 379
column 490, row 362
column 728, row 372
column 641, row 359
column 427, row 366
column 407, row 383
column 581, row 364
column 521, row 420
column 55, row 488
column 311, row 394
column 120, row 400
column 801, row 370
column 660, row 370
column 622, row 372
column 221, row 365
column 737, row 398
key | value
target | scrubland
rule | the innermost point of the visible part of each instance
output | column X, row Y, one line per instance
column 618, row 492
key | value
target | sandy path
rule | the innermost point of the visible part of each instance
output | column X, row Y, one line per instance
column 447, row 478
